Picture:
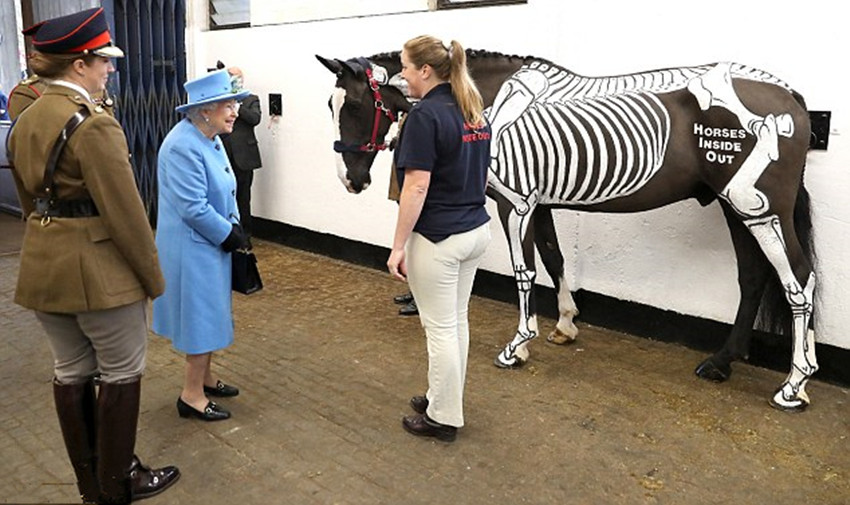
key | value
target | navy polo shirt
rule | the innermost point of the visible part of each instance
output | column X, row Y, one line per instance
column 436, row 138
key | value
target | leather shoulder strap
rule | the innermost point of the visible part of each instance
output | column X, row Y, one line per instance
column 72, row 124
column 8, row 163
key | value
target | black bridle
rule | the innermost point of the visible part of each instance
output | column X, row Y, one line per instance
column 380, row 109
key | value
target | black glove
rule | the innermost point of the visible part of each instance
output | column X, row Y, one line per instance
column 236, row 240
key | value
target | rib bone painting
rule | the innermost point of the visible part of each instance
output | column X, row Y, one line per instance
column 626, row 143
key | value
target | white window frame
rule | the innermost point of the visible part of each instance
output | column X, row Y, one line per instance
column 274, row 12
column 461, row 4
column 232, row 14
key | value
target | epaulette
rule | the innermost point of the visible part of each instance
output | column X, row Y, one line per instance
column 78, row 99
column 92, row 107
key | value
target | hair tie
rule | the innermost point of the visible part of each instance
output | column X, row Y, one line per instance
column 448, row 48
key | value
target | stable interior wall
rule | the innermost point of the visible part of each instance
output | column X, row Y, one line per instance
column 677, row 258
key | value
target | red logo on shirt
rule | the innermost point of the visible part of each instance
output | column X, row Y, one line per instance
column 476, row 135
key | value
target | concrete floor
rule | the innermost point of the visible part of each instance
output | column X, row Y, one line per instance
column 326, row 368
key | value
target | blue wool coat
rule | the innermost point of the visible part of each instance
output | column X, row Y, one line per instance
column 197, row 204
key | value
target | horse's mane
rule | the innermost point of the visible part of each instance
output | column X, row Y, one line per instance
column 484, row 53
column 470, row 54
column 488, row 68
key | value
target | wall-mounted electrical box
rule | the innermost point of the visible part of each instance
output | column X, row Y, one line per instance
column 820, row 128
column 275, row 104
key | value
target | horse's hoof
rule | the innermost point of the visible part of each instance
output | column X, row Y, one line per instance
column 517, row 363
column 792, row 405
column 560, row 338
column 710, row 371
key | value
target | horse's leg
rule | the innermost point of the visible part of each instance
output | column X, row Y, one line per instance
column 546, row 240
column 779, row 242
column 753, row 270
column 521, row 244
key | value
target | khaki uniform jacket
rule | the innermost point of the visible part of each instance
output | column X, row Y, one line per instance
column 27, row 91
column 81, row 264
column 24, row 94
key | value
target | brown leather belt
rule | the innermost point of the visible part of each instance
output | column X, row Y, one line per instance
column 73, row 208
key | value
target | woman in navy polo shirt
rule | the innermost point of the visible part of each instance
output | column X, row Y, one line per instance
column 442, row 229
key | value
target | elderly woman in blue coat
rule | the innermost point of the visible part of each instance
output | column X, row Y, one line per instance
column 197, row 229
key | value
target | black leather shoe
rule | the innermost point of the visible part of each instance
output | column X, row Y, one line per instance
column 409, row 310
column 421, row 425
column 212, row 412
column 419, row 404
column 403, row 299
column 221, row 390
column 145, row 482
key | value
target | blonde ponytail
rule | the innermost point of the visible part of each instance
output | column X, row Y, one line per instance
column 449, row 63
column 465, row 91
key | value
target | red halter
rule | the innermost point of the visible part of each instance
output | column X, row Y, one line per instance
column 380, row 108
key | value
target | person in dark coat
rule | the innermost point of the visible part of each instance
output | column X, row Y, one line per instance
column 3, row 106
column 406, row 300
column 89, row 263
column 243, row 151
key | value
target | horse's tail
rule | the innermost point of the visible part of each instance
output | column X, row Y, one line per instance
column 774, row 315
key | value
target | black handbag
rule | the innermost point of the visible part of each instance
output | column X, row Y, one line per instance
column 246, row 276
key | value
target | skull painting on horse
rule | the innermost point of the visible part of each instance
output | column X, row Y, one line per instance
column 626, row 143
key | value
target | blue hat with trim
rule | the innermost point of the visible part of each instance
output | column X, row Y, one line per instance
column 212, row 87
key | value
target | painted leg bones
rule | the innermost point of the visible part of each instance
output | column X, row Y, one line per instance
column 513, row 99
column 792, row 394
column 516, row 353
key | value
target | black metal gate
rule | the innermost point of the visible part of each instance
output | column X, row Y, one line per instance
column 150, row 81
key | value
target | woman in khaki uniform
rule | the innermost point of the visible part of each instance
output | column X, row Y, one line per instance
column 24, row 94
column 88, row 262
column 30, row 89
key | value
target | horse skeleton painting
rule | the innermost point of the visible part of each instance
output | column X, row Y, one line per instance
column 625, row 143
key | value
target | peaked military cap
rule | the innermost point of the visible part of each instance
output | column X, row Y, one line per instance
column 82, row 32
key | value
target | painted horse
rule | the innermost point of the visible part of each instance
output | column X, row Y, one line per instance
column 626, row 143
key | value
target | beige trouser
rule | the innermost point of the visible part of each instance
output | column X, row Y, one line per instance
column 111, row 343
column 440, row 277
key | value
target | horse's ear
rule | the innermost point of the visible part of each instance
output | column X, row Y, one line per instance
column 333, row 65
column 400, row 86
column 348, row 66
column 396, row 99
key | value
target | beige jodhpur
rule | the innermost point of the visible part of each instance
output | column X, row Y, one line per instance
column 440, row 277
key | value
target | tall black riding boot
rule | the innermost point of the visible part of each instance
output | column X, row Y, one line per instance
column 122, row 476
column 75, row 405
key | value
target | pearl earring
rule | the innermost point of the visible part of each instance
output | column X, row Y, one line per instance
column 206, row 119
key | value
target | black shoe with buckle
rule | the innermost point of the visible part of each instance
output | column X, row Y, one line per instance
column 403, row 299
column 419, row 404
column 423, row 426
column 409, row 310
column 221, row 390
column 212, row 412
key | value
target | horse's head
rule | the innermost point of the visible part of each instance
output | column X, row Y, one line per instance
column 364, row 105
